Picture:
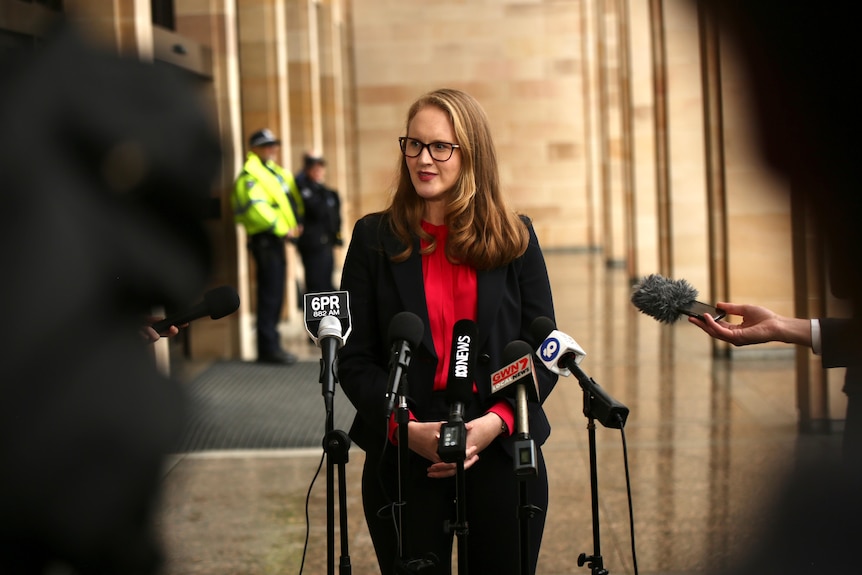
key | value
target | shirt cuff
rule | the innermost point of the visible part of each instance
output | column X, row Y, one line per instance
column 507, row 414
column 816, row 343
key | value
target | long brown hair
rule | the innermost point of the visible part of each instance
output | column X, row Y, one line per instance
column 483, row 232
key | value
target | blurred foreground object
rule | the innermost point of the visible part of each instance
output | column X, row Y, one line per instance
column 105, row 166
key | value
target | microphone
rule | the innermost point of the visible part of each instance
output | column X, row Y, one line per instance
column 329, row 340
column 217, row 303
column 405, row 333
column 555, row 344
column 452, row 445
column 561, row 354
column 322, row 304
column 518, row 359
column 517, row 378
column 663, row 299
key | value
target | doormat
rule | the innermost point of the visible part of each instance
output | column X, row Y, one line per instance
column 246, row 405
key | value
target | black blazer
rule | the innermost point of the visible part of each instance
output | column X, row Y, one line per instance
column 840, row 342
column 509, row 299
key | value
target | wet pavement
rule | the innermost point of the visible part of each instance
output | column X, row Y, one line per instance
column 706, row 442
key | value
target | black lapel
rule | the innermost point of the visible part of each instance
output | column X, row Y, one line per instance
column 409, row 282
column 489, row 286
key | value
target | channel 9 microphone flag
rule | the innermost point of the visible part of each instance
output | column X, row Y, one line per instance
column 319, row 305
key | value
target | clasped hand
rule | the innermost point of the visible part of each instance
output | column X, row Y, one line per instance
column 423, row 438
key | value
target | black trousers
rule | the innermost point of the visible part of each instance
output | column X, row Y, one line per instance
column 271, row 264
column 319, row 265
column 492, row 499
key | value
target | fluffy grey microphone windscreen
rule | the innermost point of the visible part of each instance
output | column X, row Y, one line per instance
column 662, row 298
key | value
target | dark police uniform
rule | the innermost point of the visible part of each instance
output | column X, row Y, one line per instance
column 321, row 233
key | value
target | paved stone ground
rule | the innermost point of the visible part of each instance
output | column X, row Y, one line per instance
column 710, row 442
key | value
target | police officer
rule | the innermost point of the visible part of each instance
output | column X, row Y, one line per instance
column 321, row 224
column 267, row 202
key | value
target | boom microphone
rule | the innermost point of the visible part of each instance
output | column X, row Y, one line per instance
column 561, row 354
column 452, row 445
column 663, row 299
column 217, row 303
column 405, row 333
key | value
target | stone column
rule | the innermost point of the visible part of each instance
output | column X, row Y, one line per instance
column 263, row 50
column 124, row 25
column 303, row 70
column 213, row 24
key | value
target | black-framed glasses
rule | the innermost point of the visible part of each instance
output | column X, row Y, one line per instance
column 440, row 151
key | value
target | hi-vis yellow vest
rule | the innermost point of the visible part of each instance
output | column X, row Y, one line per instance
column 260, row 201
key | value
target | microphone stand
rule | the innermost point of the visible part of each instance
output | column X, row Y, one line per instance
column 336, row 445
column 460, row 526
column 402, row 418
column 594, row 561
column 525, row 467
column 613, row 414
column 405, row 565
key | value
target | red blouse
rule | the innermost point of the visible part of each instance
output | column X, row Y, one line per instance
column 450, row 295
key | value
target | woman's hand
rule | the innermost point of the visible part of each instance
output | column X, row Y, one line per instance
column 483, row 430
column 424, row 438
column 480, row 433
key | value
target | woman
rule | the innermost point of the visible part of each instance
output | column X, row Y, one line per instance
column 446, row 248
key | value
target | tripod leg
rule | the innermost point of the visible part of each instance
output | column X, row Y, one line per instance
column 336, row 445
column 330, row 515
column 462, row 529
column 594, row 561
column 524, row 518
column 344, row 565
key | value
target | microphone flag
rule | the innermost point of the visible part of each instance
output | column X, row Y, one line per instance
column 519, row 357
column 318, row 305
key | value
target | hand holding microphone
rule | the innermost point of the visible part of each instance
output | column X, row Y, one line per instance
column 759, row 325
column 217, row 303
column 151, row 336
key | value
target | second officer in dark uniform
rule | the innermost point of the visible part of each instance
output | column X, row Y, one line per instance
column 322, row 225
